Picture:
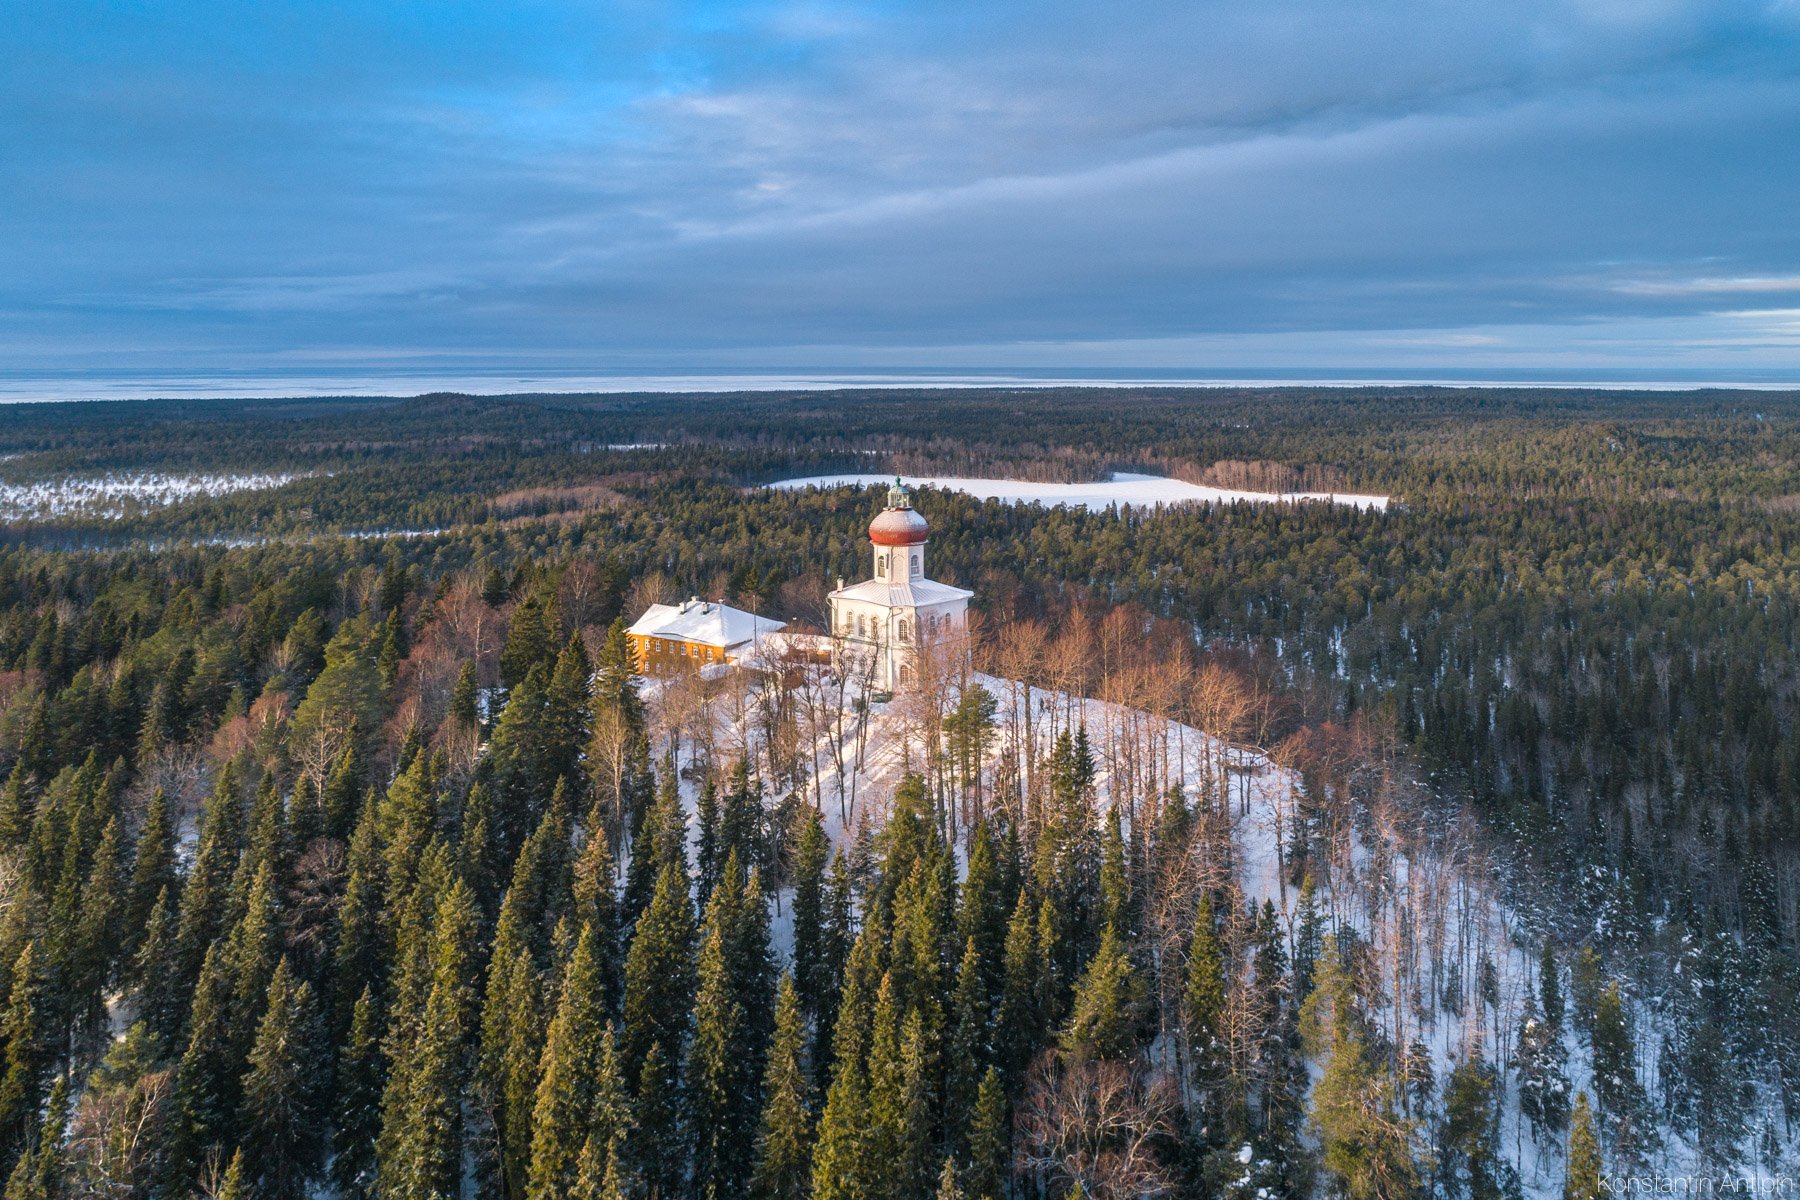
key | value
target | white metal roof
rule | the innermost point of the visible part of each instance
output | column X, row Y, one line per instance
column 919, row 593
column 705, row 622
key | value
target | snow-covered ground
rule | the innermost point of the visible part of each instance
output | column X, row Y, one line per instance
column 113, row 496
column 1137, row 753
column 1122, row 489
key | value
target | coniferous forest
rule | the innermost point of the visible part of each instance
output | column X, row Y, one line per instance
column 344, row 852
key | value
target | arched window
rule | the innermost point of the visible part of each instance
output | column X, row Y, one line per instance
column 884, row 560
column 904, row 632
column 915, row 559
column 861, row 629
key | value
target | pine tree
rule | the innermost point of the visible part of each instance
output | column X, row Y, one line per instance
column 283, row 1090
column 784, row 1143
column 357, row 1116
column 1584, row 1177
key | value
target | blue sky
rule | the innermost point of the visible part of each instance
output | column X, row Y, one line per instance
column 1552, row 185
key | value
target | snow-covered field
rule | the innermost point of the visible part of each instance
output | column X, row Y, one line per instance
column 1122, row 489
column 111, row 497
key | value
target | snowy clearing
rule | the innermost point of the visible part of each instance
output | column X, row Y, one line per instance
column 1123, row 489
column 112, row 497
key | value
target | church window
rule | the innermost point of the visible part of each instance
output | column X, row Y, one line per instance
column 903, row 631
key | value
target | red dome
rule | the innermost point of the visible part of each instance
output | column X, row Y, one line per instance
column 899, row 527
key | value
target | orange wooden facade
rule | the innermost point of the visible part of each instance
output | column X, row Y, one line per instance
column 672, row 656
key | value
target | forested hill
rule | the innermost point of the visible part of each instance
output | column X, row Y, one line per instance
column 332, row 860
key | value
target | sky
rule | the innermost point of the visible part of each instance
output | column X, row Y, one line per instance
column 1576, row 187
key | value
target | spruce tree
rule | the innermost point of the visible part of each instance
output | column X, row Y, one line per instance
column 596, row 906
column 564, row 1109
column 721, row 1088
column 1615, row 1056
column 1203, row 998
column 969, row 1049
column 784, row 1142
column 842, row 1165
column 989, row 1141
column 1107, row 1011
column 420, row 1149
column 810, row 851
column 1550, row 990
column 1020, row 1026
column 1468, row 1148
column 356, row 1114
column 1364, row 1142
column 1543, row 1085
column 153, row 868
column 206, row 1078
column 659, row 976
column 1583, row 1181
column 661, row 1145
column 27, row 1052
column 283, row 1091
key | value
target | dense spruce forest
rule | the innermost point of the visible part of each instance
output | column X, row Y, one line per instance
column 343, row 851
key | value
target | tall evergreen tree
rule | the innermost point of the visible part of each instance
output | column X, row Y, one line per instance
column 283, row 1091
column 420, row 1150
column 564, row 1110
column 659, row 976
column 356, row 1122
column 27, row 1039
column 784, row 1142
column 1584, row 1181
column 1107, row 1012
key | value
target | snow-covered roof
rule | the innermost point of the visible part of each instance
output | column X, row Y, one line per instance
column 918, row 593
column 705, row 622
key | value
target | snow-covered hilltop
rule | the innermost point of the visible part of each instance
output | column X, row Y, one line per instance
column 1454, row 975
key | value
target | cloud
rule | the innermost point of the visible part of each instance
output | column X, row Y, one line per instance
column 751, row 182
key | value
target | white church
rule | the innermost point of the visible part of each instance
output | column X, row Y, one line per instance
column 879, row 627
column 900, row 612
